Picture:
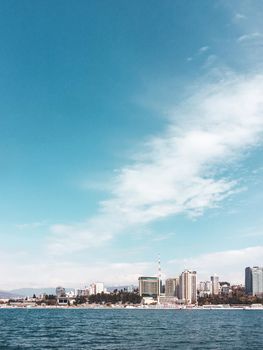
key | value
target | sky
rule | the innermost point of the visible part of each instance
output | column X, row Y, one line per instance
column 129, row 130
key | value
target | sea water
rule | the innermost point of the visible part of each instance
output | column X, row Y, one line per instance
column 130, row 329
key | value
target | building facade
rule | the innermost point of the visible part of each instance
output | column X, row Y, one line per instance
column 254, row 281
column 149, row 287
column 248, row 280
column 204, row 288
column 215, row 285
column 188, row 287
column 96, row 288
column 172, row 287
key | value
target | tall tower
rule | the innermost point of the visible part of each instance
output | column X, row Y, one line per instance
column 159, row 273
column 159, row 278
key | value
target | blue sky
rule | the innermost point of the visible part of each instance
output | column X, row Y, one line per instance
column 128, row 130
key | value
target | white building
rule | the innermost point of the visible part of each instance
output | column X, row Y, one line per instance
column 96, row 288
column 71, row 294
column 82, row 292
column 188, row 287
column 204, row 288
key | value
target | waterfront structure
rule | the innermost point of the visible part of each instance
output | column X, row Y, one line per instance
column 149, row 287
column 63, row 301
column 215, row 284
column 188, row 287
column 172, row 287
column 254, row 280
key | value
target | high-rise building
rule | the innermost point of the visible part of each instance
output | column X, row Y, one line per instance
column 254, row 280
column 96, row 288
column 188, row 287
column 149, row 286
column 248, row 280
column 215, row 284
column 172, row 287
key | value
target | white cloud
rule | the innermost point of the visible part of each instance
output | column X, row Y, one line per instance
column 74, row 237
column 199, row 52
column 239, row 16
column 203, row 49
column 31, row 225
column 251, row 36
column 228, row 265
column 181, row 170
column 252, row 232
column 47, row 273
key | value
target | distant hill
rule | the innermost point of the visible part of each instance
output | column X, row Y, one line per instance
column 112, row 288
column 8, row 295
column 29, row 292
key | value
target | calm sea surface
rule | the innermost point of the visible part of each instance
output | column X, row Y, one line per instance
column 130, row 329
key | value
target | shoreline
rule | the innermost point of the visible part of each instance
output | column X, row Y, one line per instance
column 156, row 307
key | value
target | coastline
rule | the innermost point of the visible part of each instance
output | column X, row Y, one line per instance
column 140, row 307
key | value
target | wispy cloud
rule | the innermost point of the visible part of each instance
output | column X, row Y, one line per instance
column 164, row 237
column 46, row 273
column 74, row 237
column 203, row 49
column 31, row 225
column 199, row 52
column 250, row 36
column 181, row 170
column 253, row 232
column 231, row 266
column 239, row 17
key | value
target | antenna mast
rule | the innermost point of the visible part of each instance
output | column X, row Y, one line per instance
column 159, row 278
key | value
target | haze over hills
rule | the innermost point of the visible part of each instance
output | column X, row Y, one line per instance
column 8, row 295
column 29, row 292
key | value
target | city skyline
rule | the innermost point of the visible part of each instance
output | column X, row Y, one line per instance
column 130, row 131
